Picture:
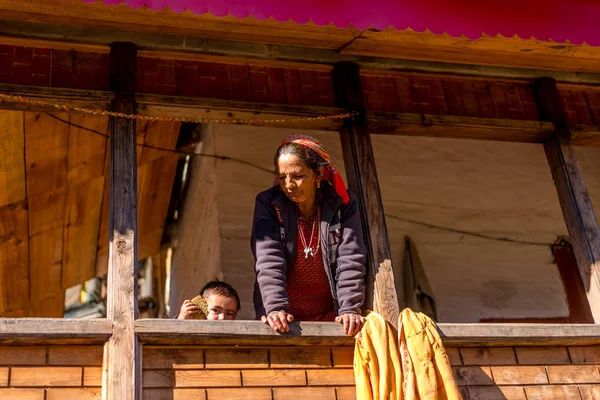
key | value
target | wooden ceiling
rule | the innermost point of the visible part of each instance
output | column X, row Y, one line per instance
column 54, row 211
column 390, row 43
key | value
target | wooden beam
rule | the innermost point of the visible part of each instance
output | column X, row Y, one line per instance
column 362, row 180
column 475, row 335
column 50, row 96
column 156, row 44
column 54, row 330
column 173, row 331
column 385, row 123
column 193, row 107
column 123, row 349
column 455, row 127
column 575, row 202
column 247, row 333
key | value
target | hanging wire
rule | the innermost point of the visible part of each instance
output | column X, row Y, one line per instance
column 198, row 120
column 175, row 151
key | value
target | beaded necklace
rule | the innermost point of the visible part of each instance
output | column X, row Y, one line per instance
column 308, row 249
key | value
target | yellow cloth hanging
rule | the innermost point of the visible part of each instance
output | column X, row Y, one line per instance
column 377, row 361
column 411, row 366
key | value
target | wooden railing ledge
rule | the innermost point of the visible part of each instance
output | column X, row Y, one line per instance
column 519, row 334
column 54, row 331
column 165, row 331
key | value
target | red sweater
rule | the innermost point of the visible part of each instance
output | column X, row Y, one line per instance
column 309, row 293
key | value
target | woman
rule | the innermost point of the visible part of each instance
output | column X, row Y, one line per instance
column 307, row 242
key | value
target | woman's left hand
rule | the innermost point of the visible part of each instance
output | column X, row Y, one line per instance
column 353, row 323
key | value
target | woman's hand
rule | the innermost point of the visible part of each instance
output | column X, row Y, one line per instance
column 187, row 309
column 278, row 320
column 353, row 323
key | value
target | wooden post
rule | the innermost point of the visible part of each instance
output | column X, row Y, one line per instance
column 159, row 277
column 362, row 180
column 123, row 350
column 577, row 209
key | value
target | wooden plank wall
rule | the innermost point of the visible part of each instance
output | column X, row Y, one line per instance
column 255, row 372
column 54, row 211
column 156, row 173
column 50, row 372
column 272, row 373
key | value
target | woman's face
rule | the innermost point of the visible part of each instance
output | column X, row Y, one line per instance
column 298, row 182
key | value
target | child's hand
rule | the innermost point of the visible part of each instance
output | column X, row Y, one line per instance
column 187, row 310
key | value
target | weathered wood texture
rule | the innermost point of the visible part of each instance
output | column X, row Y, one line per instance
column 410, row 123
column 159, row 279
column 165, row 332
column 239, row 332
column 55, row 206
column 518, row 334
column 215, row 108
column 579, row 307
column 85, row 180
column 12, row 166
column 14, row 260
column 58, row 167
column 460, row 127
column 156, row 175
column 575, row 202
column 37, row 330
column 54, row 67
column 325, row 372
column 362, row 180
column 293, row 85
column 46, row 155
column 49, row 96
column 38, row 371
column 256, row 372
column 123, row 349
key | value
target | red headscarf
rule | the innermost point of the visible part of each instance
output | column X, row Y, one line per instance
column 330, row 173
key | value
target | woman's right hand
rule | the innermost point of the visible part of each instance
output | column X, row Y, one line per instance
column 278, row 320
column 187, row 309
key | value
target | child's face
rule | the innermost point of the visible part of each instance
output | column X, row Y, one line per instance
column 221, row 307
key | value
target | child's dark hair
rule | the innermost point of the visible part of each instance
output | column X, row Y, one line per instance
column 221, row 288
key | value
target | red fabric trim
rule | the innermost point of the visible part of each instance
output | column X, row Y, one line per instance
column 556, row 20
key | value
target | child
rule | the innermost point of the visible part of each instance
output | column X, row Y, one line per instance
column 223, row 302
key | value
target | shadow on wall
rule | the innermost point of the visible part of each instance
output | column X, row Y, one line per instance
column 476, row 383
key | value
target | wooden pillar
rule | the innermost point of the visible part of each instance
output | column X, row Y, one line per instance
column 577, row 209
column 159, row 278
column 363, row 182
column 123, row 351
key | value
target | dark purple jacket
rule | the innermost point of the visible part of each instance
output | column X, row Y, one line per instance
column 274, row 249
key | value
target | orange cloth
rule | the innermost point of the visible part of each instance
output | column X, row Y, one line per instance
column 413, row 365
